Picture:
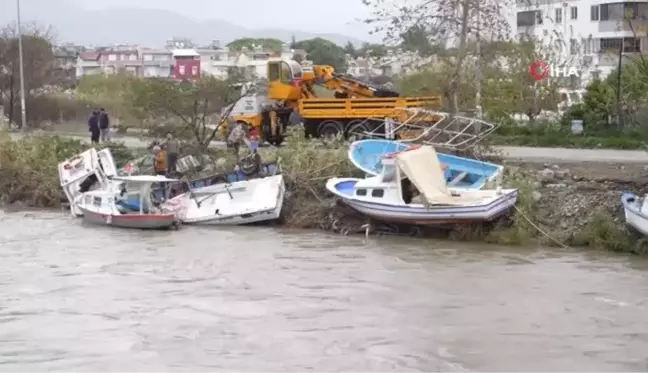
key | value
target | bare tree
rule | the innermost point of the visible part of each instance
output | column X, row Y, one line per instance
column 38, row 63
column 430, row 25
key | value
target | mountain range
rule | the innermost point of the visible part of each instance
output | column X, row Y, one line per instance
column 149, row 27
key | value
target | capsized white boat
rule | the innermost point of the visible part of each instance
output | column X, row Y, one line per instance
column 635, row 209
column 390, row 196
column 237, row 203
column 117, row 206
column 90, row 170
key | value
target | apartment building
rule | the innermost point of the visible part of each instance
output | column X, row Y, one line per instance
column 586, row 36
column 132, row 60
column 251, row 63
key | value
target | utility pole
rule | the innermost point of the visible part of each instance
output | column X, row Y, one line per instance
column 23, row 109
column 478, row 70
column 618, row 86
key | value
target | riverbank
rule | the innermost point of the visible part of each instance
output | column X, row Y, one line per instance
column 575, row 204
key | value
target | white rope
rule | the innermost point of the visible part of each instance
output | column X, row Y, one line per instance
column 522, row 214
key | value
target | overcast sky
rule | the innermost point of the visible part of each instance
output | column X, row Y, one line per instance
column 339, row 16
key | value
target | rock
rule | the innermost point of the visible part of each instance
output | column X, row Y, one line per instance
column 546, row 175
column 221, row 162
column 536, row 195
column 555, row 167
column 562, row 174
column 554, row 186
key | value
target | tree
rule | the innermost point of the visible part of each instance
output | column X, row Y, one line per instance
column 373, row 50
column 249, row 43
column 449, row 23
column 350, row 49
column 293, row 42
column 38, row 65
column 193, row 103
column 324, row 52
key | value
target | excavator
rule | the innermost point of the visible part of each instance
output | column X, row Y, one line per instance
column 355, row 109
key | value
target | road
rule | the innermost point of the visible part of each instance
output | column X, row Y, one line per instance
column 523, row 153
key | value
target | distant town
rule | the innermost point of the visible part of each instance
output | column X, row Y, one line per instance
column 181, row 60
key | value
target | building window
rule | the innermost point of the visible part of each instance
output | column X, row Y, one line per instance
column 361, row 192
column 594, row 13
column 194, row 70
column 181, row 70
column 538, row 15
column 378, row 193
column 527, row 18
column 574, row 12
column 558, row 18
column 613, row 45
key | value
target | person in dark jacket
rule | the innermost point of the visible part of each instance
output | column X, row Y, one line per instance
column 104, row 125
column 93, row 127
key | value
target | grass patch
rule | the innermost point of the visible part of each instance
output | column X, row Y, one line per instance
column 29, row 167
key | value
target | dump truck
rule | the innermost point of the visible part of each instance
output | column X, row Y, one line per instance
column 355, row 109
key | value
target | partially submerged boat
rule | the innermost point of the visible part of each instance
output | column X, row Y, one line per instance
column 243, row 196
column 635, row 210
column 88, row 171
column 127, row 202
column 390, row 196
column 459, row 172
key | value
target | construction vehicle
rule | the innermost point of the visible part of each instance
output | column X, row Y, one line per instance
column 356, row 108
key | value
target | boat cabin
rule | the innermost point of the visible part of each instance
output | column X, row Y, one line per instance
column 84, row 172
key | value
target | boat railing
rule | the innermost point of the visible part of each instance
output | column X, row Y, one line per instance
column 441, row 130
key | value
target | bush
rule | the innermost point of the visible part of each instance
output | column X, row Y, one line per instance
column 29, row 167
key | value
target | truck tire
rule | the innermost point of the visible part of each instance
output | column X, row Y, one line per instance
column 329, row 131
column 357, row 130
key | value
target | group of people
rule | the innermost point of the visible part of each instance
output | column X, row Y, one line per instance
column 99, row 126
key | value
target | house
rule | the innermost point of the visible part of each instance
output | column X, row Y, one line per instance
column 586, row 36
column 156, row 63
column 186, row 64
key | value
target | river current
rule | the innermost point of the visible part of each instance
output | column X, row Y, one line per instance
column 80, row 298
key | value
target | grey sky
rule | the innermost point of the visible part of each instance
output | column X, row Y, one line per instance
column 339, row 16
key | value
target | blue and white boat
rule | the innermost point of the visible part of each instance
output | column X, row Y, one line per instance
column 459, row 172
column 391, row 195
column 635, row 209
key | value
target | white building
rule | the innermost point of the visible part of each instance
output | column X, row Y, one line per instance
column 253, row 63
column 585, row 36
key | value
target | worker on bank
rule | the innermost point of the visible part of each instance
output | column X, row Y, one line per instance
column 104, row 125
column 161, row 165
column 93, row 127
column 172, row 146
column 236, row 138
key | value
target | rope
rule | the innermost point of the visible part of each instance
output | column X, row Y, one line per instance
column 534, row 225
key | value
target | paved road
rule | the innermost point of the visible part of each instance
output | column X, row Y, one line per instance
column 527, row 154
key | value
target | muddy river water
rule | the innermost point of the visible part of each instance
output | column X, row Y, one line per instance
column 73, row 297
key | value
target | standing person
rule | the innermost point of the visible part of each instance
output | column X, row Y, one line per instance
column 236, row 138
column 161, row 165
column 104, row 125
column 93, row 127
column 173, row 149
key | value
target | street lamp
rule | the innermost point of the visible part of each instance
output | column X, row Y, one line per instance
column 23, row 109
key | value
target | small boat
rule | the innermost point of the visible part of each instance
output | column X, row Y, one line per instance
column 636, row 211
column 90, row 170
column 459, row 172
column 390, row 196
column 117, row 206
column 235, row 198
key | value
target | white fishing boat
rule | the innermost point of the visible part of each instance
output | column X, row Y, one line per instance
column 90, row 170
column 234, row 198
column 390, row 196
column 635, row 209
column 126, row 202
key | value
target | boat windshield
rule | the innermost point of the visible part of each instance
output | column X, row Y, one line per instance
column 389, row 173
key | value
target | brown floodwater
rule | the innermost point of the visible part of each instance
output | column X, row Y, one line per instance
column 80, row 298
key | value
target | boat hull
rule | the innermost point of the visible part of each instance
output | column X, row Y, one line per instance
column 421, row 215
column 134, row 221
column 460, row 172
column 252, row 208
column 633, row 215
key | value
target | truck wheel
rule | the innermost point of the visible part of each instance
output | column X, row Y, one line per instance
column 329, row 132
column 357, row 131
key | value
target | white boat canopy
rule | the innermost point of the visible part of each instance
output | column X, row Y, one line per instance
column 421, row 165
